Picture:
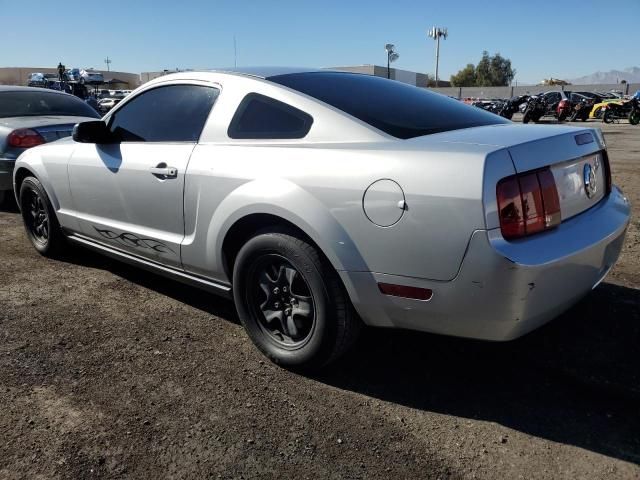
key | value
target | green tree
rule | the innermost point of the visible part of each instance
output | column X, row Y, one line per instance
column 491, row 71
column 501, row 71
column 483, row 71
column 465, row 77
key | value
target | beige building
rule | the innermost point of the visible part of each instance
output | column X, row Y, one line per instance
column 412, row 78
column 20, row 76
column 405, row 76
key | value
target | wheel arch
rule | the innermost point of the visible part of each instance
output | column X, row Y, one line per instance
column 246, row 227
column 246, row 211
column 30, row 164
column 252, row 223
column 18, row 177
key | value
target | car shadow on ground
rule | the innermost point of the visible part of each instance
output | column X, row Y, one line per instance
column 575, row 381
column 191, row 296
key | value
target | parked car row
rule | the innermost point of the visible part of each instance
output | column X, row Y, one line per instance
column 566, row 105
column 75, row 75
column 318, row 210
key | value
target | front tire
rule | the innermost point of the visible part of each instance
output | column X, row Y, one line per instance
column 39, row 219
column 526, row 117
column 291, row 302
column 634, row 117
column 607, row 117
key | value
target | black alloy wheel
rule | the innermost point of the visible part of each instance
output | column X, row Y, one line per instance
column 282, row 301
column 39, row 218
column 291, row 301
column 36, row 217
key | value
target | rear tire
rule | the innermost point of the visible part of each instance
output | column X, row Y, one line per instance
column 291, row 302
column 634, row 117
column 607, row 117
column 526, row 117
column 40, row 222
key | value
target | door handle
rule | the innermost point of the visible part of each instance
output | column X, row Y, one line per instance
column 164, row 171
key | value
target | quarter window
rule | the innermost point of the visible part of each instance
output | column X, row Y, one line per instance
column 173, row 113
column 260, row 117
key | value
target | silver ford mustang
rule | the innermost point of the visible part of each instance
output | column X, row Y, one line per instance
column 322, row 200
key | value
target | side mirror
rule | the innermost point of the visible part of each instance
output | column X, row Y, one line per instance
column 93, row 132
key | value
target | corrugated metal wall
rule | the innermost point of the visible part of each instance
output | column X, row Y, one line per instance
column 508, row 92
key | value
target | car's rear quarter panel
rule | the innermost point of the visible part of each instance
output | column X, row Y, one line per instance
column 321, row 188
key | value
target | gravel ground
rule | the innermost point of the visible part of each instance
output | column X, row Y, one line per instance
column 107, row 371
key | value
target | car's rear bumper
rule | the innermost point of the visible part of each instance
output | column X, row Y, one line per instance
column 6, row 174
column 504, row 289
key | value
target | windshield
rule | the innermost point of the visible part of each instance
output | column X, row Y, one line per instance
column 29, row 104
column 401, row 110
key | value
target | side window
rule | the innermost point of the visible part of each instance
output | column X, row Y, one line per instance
column 260, row 117
column 173, row 113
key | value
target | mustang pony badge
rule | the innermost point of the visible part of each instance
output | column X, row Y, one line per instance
column 590, row 183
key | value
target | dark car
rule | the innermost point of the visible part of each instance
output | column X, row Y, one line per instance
column 33, row 116
column 559, row 104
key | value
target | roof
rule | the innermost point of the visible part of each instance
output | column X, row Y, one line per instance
column 17, row 88
column 265, row 72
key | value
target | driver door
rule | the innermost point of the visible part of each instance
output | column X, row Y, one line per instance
column 128, row 195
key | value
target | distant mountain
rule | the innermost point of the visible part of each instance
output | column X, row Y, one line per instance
column 631, row 75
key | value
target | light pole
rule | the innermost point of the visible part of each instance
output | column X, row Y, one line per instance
column 392, row 56
column 436, row 33
column 108, row 62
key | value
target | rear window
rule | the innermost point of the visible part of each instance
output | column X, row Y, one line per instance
column 398, row 109
column 30, row 104
column 261, row 117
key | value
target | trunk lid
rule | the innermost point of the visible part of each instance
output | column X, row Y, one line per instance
column 578, row 163
column 576, row 157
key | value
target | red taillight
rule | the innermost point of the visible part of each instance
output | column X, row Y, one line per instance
column 550, row 199
column 528, row 204
column 532, row 209
column 25, row 138
column 510, row 208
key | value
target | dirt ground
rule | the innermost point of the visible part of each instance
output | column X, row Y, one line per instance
column 110, row 372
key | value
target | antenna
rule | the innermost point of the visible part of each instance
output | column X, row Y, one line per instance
column 235, row 53
column 436, row 33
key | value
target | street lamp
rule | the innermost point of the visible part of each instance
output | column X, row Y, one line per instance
column 436, row 33
column 108, row 62
column 392, row 56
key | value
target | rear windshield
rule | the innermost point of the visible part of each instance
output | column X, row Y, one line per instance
column 401, row 110
column 28, row 104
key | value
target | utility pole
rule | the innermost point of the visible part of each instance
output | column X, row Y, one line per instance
column 436, row 33
column 108, row 62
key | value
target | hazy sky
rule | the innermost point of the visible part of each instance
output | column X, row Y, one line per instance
column 561, row 38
